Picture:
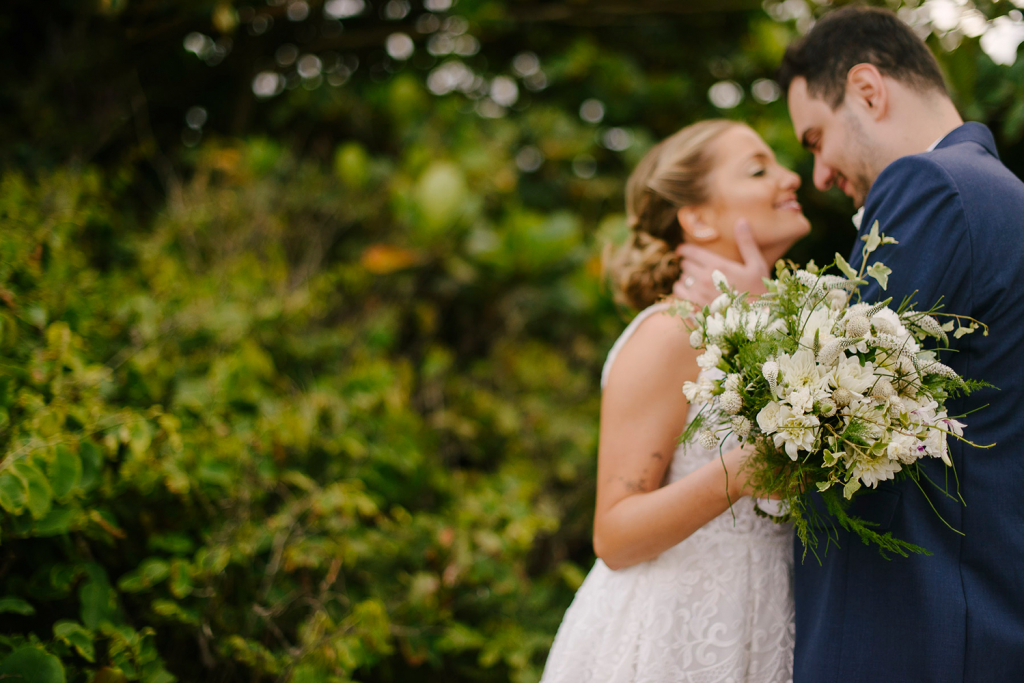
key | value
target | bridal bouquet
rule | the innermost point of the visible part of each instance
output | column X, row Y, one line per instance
column 834, row 394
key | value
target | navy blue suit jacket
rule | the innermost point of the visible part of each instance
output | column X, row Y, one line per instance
column 957, row 615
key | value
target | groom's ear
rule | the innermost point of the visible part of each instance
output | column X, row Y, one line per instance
column 866, row 88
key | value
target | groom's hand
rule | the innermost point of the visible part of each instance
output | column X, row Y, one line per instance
column 698, row 264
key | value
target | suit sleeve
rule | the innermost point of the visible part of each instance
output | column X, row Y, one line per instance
column 916, row 202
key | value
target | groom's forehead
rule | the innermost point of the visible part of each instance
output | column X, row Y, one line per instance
column 806, row 111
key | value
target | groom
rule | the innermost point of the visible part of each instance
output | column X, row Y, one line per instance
column 867, row 99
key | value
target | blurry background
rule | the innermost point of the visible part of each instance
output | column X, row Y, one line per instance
column 301, row 315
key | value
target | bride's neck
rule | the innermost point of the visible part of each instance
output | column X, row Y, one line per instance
column 730, row 251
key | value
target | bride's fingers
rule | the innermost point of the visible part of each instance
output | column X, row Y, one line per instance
column 698, row 271
column 749, row 250
column 692, row 289
column 699, row 255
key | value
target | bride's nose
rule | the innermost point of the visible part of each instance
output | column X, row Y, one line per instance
column 790, row 180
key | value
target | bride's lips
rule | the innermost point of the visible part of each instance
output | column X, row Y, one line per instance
column 789, row 204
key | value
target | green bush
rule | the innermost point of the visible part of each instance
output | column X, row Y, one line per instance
column 262, row 440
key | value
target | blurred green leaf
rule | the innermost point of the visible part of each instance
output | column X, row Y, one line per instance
column 32, row 665
column 65, row 471
column 76, row 636
column 16, row 606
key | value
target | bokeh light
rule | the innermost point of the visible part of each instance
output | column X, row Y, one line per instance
column 195, row 117
column 584, row 166
column 592, row 111
column 298, row 11
column 725, row 94
column 765, row 91
column 343, row 9
column 617, row 139
column 504, row 91
column 267, row 84
column 525, row 64
column 529, row 159
column 399, row 46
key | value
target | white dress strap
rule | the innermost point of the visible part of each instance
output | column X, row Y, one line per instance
column 627, row 333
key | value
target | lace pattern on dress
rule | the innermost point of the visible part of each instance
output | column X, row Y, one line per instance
column 716, row 608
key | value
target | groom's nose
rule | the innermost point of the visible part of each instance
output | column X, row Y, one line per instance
column 824, row 176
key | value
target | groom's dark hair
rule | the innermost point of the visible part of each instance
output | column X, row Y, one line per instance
column 856, row 35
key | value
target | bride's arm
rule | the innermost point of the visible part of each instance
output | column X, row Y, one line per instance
column 643, row 412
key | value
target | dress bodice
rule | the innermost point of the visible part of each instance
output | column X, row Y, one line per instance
column 715, row 608
column 688, row 458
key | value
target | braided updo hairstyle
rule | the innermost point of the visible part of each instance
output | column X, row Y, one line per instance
column 671, row 175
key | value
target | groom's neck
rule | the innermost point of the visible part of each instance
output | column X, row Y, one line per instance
column 918, row 121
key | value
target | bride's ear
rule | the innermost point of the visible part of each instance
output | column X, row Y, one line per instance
column 695, row 226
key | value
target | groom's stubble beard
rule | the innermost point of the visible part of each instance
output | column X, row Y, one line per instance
column 863, row 159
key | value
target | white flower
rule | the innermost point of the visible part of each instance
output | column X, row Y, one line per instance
column 754, row 320
column 770, row 370
column 936, row 446
column 849, row 374
column 896, row 407
column 882, row 389
column 869, row 415
column 732, row 382
column 830, row 354
column 903, row 448
column 705, row 389
column 700, row 391
column 842, row 397
column 795, row 432
column 857, row 326
column 714, row 327
column 827, row 407
column 720, row 303
column 836, row 299
column 802, row 400
column 768, row 418
column 820, row 321
column 707, row 439
column 696, row 339
column 718, row 279
column 741, row 426
column 887, row 318
column 923, row 413
column 711, row 357
column 745, row 322
column 734, row 321
column 800, row 370
column 731, row 402
column 954, row 426
column 873, row 470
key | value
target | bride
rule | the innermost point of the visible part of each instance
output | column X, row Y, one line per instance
column 685, row 588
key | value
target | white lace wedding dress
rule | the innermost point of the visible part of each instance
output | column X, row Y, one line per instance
column 716, row 608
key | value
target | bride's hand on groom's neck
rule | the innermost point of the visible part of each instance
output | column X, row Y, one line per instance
column 698, row 264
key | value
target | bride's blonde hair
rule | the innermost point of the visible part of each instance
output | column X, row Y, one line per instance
column 671, row 175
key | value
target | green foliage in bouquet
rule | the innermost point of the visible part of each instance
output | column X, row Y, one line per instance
column 833, row 394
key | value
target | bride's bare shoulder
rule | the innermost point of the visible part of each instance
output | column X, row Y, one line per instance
column 658, row 351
